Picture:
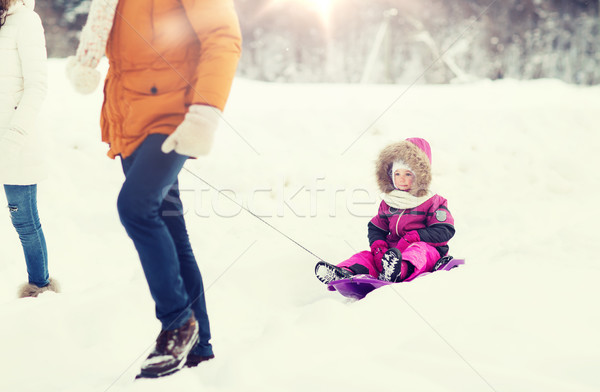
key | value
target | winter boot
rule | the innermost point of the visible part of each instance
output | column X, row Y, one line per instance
column 171, row 351
column 31, row 290
column 391, row 263
column 193, row 360
column 328, row 272
column 441, row 263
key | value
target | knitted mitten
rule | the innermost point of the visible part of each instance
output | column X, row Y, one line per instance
column 194, row 136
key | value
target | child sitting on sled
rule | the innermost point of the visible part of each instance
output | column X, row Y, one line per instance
column 412, row 228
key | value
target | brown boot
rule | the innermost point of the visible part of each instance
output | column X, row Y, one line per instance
column 194, row 360
column 171, row 351
column 31, row 290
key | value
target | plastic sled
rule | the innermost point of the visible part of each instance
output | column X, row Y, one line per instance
column 358, row 286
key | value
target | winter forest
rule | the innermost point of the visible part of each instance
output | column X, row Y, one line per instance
column 395, row 41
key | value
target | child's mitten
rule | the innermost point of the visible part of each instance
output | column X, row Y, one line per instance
column 378, row 249
column 409, row 238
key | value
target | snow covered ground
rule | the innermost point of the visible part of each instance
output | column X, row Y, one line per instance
column 518, row 162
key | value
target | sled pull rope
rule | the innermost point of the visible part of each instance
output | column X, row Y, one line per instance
column 253, row 214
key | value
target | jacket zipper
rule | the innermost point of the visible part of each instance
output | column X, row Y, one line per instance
column 398, row 221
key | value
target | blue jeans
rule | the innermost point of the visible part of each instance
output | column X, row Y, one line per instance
column 22, row 204
column 151, row 211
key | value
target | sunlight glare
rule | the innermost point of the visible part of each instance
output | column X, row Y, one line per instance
column 323, row 7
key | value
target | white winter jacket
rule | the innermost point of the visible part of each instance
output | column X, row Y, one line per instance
column 23, row 84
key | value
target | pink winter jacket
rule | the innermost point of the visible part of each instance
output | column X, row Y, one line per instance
column 432, row 220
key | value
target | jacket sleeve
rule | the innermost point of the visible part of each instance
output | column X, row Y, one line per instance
column 375, row 233
column 378, row 227
column 216, row 25
column 31, row 46
column 437, row 235
column 440, row 224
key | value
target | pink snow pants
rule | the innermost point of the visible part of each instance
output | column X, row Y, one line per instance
column 420, row 254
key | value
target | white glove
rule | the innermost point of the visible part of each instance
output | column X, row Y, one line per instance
column 12, row 141
column 84, row 79
column 194, row 136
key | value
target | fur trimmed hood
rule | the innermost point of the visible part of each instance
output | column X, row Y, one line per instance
column 416, row 154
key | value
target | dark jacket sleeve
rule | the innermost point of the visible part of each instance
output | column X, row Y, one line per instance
column 375, row 233
column 437, row 234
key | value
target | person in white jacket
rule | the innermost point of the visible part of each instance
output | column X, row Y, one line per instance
column 23, row 74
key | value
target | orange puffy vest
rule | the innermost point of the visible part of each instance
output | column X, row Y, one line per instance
column 165, row 55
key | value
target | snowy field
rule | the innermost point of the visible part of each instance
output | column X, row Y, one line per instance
column 517, row 161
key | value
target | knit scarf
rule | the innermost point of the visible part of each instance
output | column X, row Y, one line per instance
column 81, row 68
column 403, row 200
column 92, row 44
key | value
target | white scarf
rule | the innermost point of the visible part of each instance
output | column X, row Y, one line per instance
column 94, row 35
column 403, row 200
column 81, row 68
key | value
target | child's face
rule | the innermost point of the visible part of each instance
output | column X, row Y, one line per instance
column 403, row 179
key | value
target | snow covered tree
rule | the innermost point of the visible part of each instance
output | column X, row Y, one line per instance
column 396, row 41
column 62, row 20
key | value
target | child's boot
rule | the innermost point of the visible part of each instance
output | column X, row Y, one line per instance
column 326, row 272
column 394, row 268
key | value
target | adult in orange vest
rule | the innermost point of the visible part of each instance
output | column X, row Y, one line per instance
column 172, row 63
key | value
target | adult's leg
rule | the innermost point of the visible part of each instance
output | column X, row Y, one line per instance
column 171, row 213
column 149, row 175
column 22, row 204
